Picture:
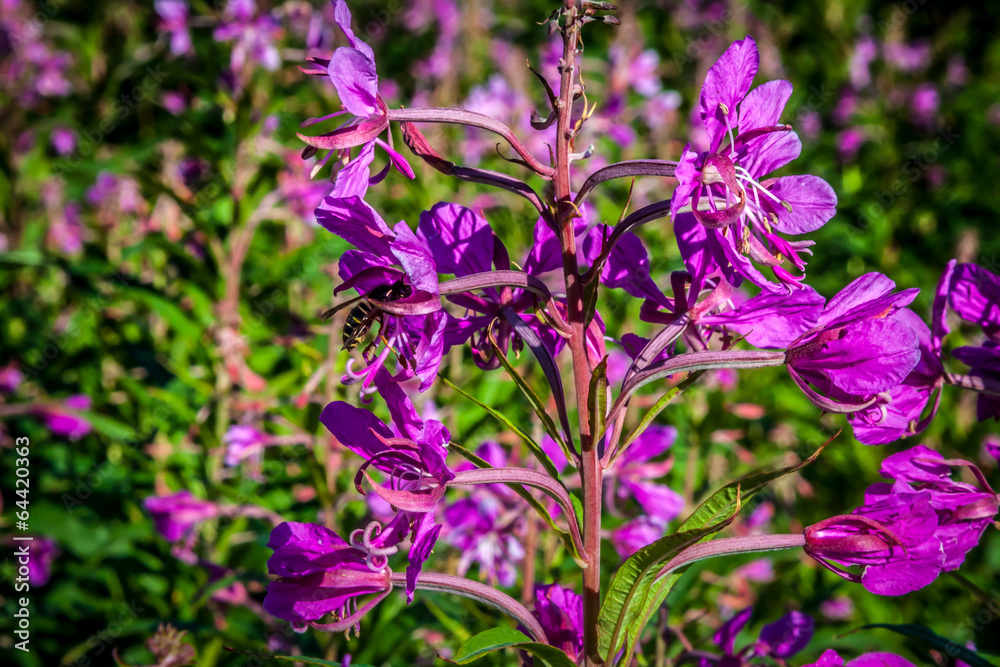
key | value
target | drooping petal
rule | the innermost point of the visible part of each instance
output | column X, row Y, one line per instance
column 975, row 295
column 342, row 17
column 355, row 428
column 425, row 536
column 354, row 177
column 353, row 220
column 307, row 548
column 725, row 636
column 867, row 296
column 939, row 315
column 772, row 320
column 627, row 268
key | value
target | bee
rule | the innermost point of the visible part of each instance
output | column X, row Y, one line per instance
column 363, row 315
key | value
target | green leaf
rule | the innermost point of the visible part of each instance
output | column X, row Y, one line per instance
column 294, row 658
column 935, row 641
column 623, row 603
column 646, row 595
column 500, row 417
column 495, row 639
column 597, row 401
column 533, row 398
column 531, row 500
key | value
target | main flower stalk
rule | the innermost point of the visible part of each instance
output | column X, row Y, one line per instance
column 566, row 212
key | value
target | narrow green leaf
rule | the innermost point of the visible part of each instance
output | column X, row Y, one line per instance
column 533, row 398
column 499, row 638
column 531, row 500
column 535, row 448
column 722, row 503
column 632, row 581
column 662, row 403
column 932, row 639
column 597, row 401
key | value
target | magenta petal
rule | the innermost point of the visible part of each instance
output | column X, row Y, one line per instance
column 771, row 151
column 307, row 548
column 353, row 220
column 342, row 17
column 873, row 356
column 939, row 316
column 880, row 660
column 975, row 295
column 415, row 258
column 726, row 84
column 355, row 428
column 354, row 76
column 813, row 202
column 460, row 239
column 425, row 535
column 627, row 268
column 348, row 136
column 772, row 320
column 353, row 178
column 654, row 441
column 763, row 105
column 788, row 635
column 725, row 636
column 657, row 500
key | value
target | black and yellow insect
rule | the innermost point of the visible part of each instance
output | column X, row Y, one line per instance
column 364, row 314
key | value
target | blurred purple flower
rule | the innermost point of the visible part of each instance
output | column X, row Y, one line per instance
column 67, row 424
column 924, row 105
column 632, row 475
column 636, row 534
column 865, row 51
column 907, row 57
column 42, row 550
column 254, row 37
column 991, row 447
column 176, row 515
column 242, row 442
column 63, row 140
column 10, row 378
column 839, row 608
column 721, row 205
column 779, row 640
column 173, row 21
column 66, row 230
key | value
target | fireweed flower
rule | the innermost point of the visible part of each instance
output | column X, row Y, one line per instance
column 412, row 459
column 175, row 516
column 637, row 533
column 779, row 640
column 10, row 378
column 560, row 613
column 831, row 658
column 859, row 348
column 384, row 257
column 320, row 573
column 352, row 71
column 631, row 475
column 722, row 206
column 42, row 550
column 64, row 422
column 975, row 296
column 908, row 532
column 255, row 36
column 242, row 442
column 173, row 21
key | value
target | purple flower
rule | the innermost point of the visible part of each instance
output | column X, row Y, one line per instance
column 254, row 37
column 633, row 472
column 242, row 442
column 173, row 21
column 412, row 459
column 10, row 378
column 352, row 71
column 63, row 140
column 560, row 613
column 387, row 257
column 975, row 295
column 831, row 658
column 42, row 551
column 840, row 608
column 991, row 447
column 721, row 202
column 175, row 516
column 66, row 230
column 898, row 413
column 636, row 534
column 482, row 528
column 64, row 423
column 320, row 573
column 859, row 348
column 779, row 640
column 910, row 531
